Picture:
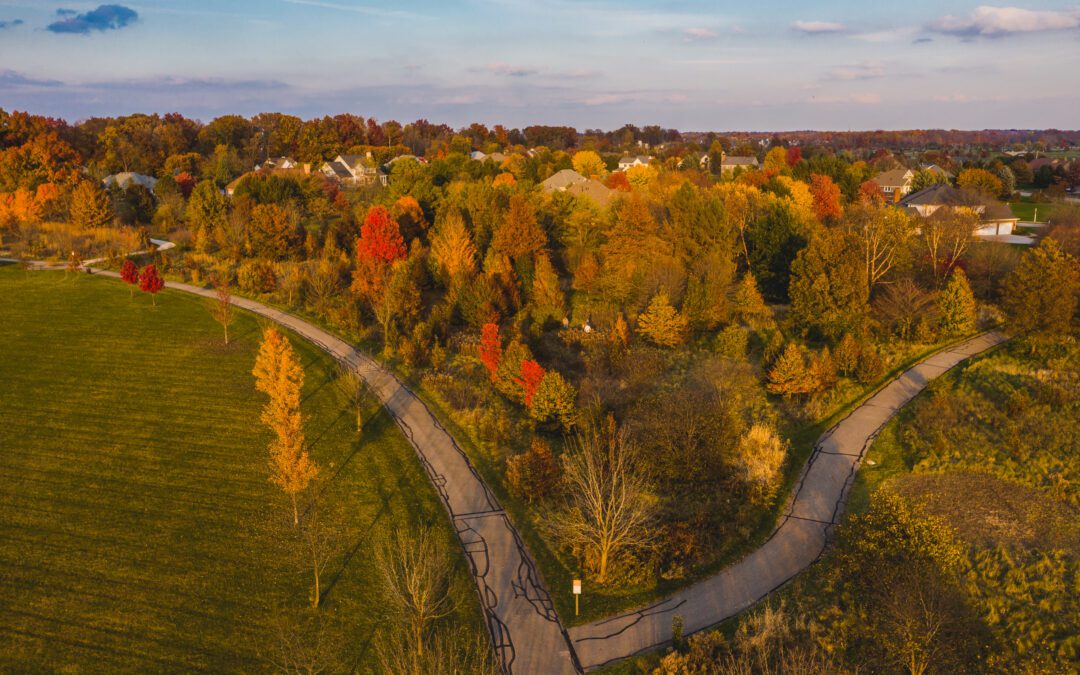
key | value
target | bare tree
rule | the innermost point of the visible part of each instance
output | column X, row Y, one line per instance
column 444, row 655
column 355, row 388
column 946, row 235
column 319, row 546
column 304, row 643
column 222, row 309
column 609, row 504
column 416, row 579
column 881, row 231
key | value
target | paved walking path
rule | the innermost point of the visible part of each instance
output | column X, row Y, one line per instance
column 798, row 541
column 525, row 629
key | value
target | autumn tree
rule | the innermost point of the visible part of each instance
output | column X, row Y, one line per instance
column 1041, row 294
column 150, row 282
column 279, row 375
column 535, row 473
column 453, row 253
column 609, row 507
column 129, row 274
column 826, row 195
column 554, row 400
column 956, row 305
column 206, row 212
column 379, row 246
column 275, row 230
column 979, row 180
column 589, row 164
column 90, row 206
column 661, row 323
column 750, row 307
column 519, row 234
column 222, row 308
column 759, row 456
column 903, row 305
column 490, row 349
column 828, row 291
column 398, row 299
column 532, row 374
column 546, row 299
column 788, row 376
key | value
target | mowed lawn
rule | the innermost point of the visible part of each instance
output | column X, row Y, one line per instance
column 138, row 530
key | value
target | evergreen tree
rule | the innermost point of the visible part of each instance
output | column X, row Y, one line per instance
column 1041, row 293
column 749, row 304
column 956, row 304
column 788, row 376
column 548, row 303
column 90, row 206
column 661, row 323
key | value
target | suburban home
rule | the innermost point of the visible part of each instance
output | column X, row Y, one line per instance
column 728, row 164
column 594, row 190
column 277, row 163
column 128, row 178
column 562, row 180
column 995, row 218
column 496, row 157
column 938, row 171
column 635, row 160
column 895, row 184
column 355, row 170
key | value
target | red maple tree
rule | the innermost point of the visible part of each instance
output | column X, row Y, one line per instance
column 380, row 237
column 531, row 375
column 185, row 182
column 150, row 282
column 826, row 195
column 129, row 274
column 491, row 348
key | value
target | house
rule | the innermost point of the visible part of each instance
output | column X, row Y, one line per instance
column 594, row 190
column 895, row 184
column 995, row 218
column 562, row 180
column 729, row 164
column 277, row 163
column 355, row 170
column 496, row 157
column 128, row 178
column 634, row 160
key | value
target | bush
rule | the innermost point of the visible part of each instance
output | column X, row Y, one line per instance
column 256, row 276
column 732, row 342
column 534, row 474
column 871, row 366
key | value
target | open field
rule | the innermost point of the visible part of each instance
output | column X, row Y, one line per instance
column 139, row 531
column 1026, row 211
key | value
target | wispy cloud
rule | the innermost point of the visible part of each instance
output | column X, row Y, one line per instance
column 11, row 23
column 356, row 9
column 12, row 78
column 818, row 27
column 699, row 34
column 868, row 70
column 987, row 21
column 860, row 99
column 105, row 17
column 894, row 34
column 508, row 70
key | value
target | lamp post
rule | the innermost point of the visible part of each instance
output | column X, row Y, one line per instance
column 577, row 595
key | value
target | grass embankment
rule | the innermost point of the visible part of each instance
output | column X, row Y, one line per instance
column 140, row 532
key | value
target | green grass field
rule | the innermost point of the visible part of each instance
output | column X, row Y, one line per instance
column 1026, row 211
column 139, row 531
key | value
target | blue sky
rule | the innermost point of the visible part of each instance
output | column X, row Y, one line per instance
column 694, row 65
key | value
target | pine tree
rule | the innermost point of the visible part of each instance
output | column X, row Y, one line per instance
column 956, row 305
column 749, row 304
column 548, row 303
column 661, row 323
column 1041, row 293
column 554, row 399
column 788, row 375
column 847, row 355
column 90, row 206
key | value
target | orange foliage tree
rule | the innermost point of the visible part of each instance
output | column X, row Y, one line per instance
column 490, row 348
column 826, row 197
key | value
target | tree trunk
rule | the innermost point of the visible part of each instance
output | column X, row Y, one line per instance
column 603, row 563
column 315, row 568
column 226, row 335
column 295, row 512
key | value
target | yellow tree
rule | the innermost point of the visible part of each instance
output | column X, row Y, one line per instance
column 278, row 374
column 661, row 323
column 589, row 164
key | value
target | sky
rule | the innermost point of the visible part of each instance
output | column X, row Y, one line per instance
column 695, row 65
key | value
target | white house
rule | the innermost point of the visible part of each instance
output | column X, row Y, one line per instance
column 995, row 218
column 355, row 170
column 634, row 160
column 277, row 163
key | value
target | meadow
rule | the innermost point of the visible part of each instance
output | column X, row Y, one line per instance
column 139, row 529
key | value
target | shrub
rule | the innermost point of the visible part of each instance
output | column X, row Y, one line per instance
column 533, row 474
column 256, row 276
column 732, row 342
column 871, row 365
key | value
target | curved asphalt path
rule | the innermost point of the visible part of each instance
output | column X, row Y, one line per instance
column 814, row 510
column 526, row 632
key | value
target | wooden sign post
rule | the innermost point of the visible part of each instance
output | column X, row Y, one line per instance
column 577, row 594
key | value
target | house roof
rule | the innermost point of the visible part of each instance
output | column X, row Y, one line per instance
column 337, row 169
column 937, row 170
column 894, row 178
column 562, row 180
column 644, row 159
column 942, row 194
column 594, row 190
column 739, row 161
column 128, row 178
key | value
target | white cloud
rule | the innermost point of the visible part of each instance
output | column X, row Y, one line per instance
column 888, row 34
column 987, row 21
column 818, row 27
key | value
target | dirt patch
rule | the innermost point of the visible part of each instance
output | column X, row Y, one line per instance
column 986, row 510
